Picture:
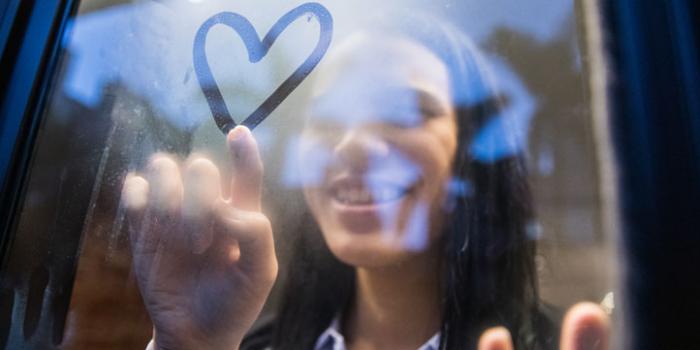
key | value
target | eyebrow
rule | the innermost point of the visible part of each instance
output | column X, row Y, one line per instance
column 427, row 103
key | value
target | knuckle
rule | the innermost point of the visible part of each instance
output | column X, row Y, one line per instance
column 273, row 270
column 254, row 222
column 261, row 221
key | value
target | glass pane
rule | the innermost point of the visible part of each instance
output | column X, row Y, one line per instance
column 432, row 169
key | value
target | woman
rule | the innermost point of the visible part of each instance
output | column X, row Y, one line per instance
column 411, row 243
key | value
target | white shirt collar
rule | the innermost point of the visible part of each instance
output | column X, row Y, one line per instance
column 331, row 339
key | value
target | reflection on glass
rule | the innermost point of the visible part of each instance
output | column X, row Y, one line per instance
column 397, row 206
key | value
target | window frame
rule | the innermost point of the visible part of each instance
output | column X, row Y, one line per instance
column 30, row 43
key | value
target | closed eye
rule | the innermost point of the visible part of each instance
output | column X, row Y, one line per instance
column 428, row 105
column 403, row 106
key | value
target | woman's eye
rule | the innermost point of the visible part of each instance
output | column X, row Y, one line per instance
column 401, row 118
column 410, row 110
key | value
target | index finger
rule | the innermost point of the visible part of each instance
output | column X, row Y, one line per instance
column 246, row 182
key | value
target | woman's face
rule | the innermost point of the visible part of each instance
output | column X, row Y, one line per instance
column 377, row 150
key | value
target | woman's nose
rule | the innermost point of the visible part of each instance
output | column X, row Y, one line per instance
column 359, row 149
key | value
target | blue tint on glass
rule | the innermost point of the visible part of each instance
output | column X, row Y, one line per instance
column 505, row 135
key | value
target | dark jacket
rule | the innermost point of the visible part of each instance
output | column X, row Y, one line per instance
column 547, row 324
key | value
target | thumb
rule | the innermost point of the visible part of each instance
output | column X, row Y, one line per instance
column 585, row 327
column 246, row 182
column 497, row 338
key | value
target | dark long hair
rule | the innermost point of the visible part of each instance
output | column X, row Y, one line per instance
column 489, row 260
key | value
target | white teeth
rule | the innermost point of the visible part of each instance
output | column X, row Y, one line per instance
column 354, row 195
column 364, row 196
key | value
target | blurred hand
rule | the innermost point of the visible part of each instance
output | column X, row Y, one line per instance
column 204, row 265
column 585, row 327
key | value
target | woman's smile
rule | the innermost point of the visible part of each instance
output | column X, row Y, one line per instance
column 364, row 204
column 362, row 192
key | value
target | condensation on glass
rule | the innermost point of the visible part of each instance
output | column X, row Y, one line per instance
column 128, row 88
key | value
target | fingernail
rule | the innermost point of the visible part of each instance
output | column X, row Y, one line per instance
column 238, row 133
column 135, row 192
column 236, row 140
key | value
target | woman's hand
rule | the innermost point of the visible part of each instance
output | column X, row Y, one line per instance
column 204, row 265
column 585, row 327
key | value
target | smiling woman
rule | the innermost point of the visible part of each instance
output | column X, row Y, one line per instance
column 395, row 209
column 392, row 114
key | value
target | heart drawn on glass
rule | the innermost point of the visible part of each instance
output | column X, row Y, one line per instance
column 257, row 49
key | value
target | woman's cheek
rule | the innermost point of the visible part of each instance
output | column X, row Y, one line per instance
column 313, row 159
